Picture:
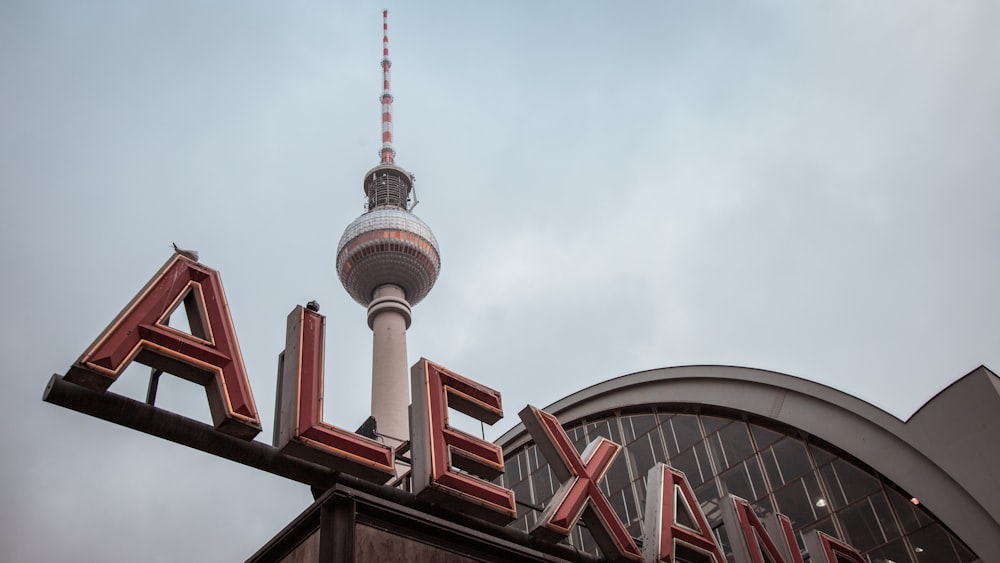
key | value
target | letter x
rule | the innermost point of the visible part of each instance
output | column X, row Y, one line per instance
column 578, row 496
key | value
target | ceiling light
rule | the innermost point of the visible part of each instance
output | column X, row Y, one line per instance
column 821, row 503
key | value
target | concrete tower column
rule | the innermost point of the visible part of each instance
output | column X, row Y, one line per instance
column 389, row 317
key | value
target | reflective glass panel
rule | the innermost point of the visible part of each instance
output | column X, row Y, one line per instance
column 763, row 436
column 860, row 525
column 686, row 430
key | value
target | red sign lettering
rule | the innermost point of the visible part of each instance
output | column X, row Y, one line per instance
column 674, row 524
column 578, row 496
column 438, row 448
column 209, row 356
column 755, row 541
column 300, row 428
column 449, row 466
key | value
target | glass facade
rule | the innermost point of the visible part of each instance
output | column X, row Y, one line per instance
column 776, row 470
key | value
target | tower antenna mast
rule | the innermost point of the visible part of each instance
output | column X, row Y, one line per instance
column 387, row 153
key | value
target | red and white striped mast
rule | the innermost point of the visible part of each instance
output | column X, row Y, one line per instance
column 387, row 153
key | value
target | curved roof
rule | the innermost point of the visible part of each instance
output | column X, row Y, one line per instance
column 946, row 454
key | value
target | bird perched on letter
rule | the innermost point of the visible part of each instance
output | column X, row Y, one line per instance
column 192, row 254
column 313, row 306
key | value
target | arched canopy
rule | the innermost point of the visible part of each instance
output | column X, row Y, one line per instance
column 946, row 454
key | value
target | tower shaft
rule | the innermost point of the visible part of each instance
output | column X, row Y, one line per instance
column 389, row 317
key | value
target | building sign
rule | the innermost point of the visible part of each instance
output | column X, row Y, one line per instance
column 449, row 467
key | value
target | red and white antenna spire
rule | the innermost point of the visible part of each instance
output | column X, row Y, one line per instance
column 387, row 153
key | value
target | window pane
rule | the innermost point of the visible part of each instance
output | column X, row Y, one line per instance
column 687, row 462
column 736, row 442
column 820, row 507
column 512, row 469
column 640, row 490
column 541, row 481
column 587, row 542
column 736, row 481
column 708, row 496
column 639, row 425
column 793, row 502
column 623, row 506
column 855, row 482
column 884, row 515
column 895, row 552
column 607, row 428
column 642, row 454
column 933, row 544
column 911, row 517
column 713, row 423
column 686, row 430
column 718, row 452
column 579, row 438
column 820, row 455
column 532, row 456
column 964, row 554
column 792, row 458
column 617, row 475
column 771, row 465
column 832, row 483
column 861, row 528
column 798, row 500
column 763, row 436
column 756, row 477
column 522, row 492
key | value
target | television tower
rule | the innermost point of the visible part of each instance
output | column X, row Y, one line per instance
column 388, row 260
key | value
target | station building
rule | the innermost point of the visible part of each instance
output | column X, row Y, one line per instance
column 917, row 491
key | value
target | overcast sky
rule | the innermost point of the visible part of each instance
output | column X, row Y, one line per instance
column 806, row 187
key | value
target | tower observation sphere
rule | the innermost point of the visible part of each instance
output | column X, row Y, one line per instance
column 388, row 244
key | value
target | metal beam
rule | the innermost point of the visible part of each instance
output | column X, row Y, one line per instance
column 182, row 430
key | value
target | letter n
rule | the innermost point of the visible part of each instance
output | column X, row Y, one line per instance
column 300, row 430
column 752, row 540
column 209, row 356
column 675, row 527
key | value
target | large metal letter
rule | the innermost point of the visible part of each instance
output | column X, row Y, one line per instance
column 301, row 431
column 438, row 448
column 674, row 524
column 578, row 496
column 754, row 539
column 209, row 356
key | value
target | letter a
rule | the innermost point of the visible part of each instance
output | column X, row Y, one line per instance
column 210, row 356
column 674, row 524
